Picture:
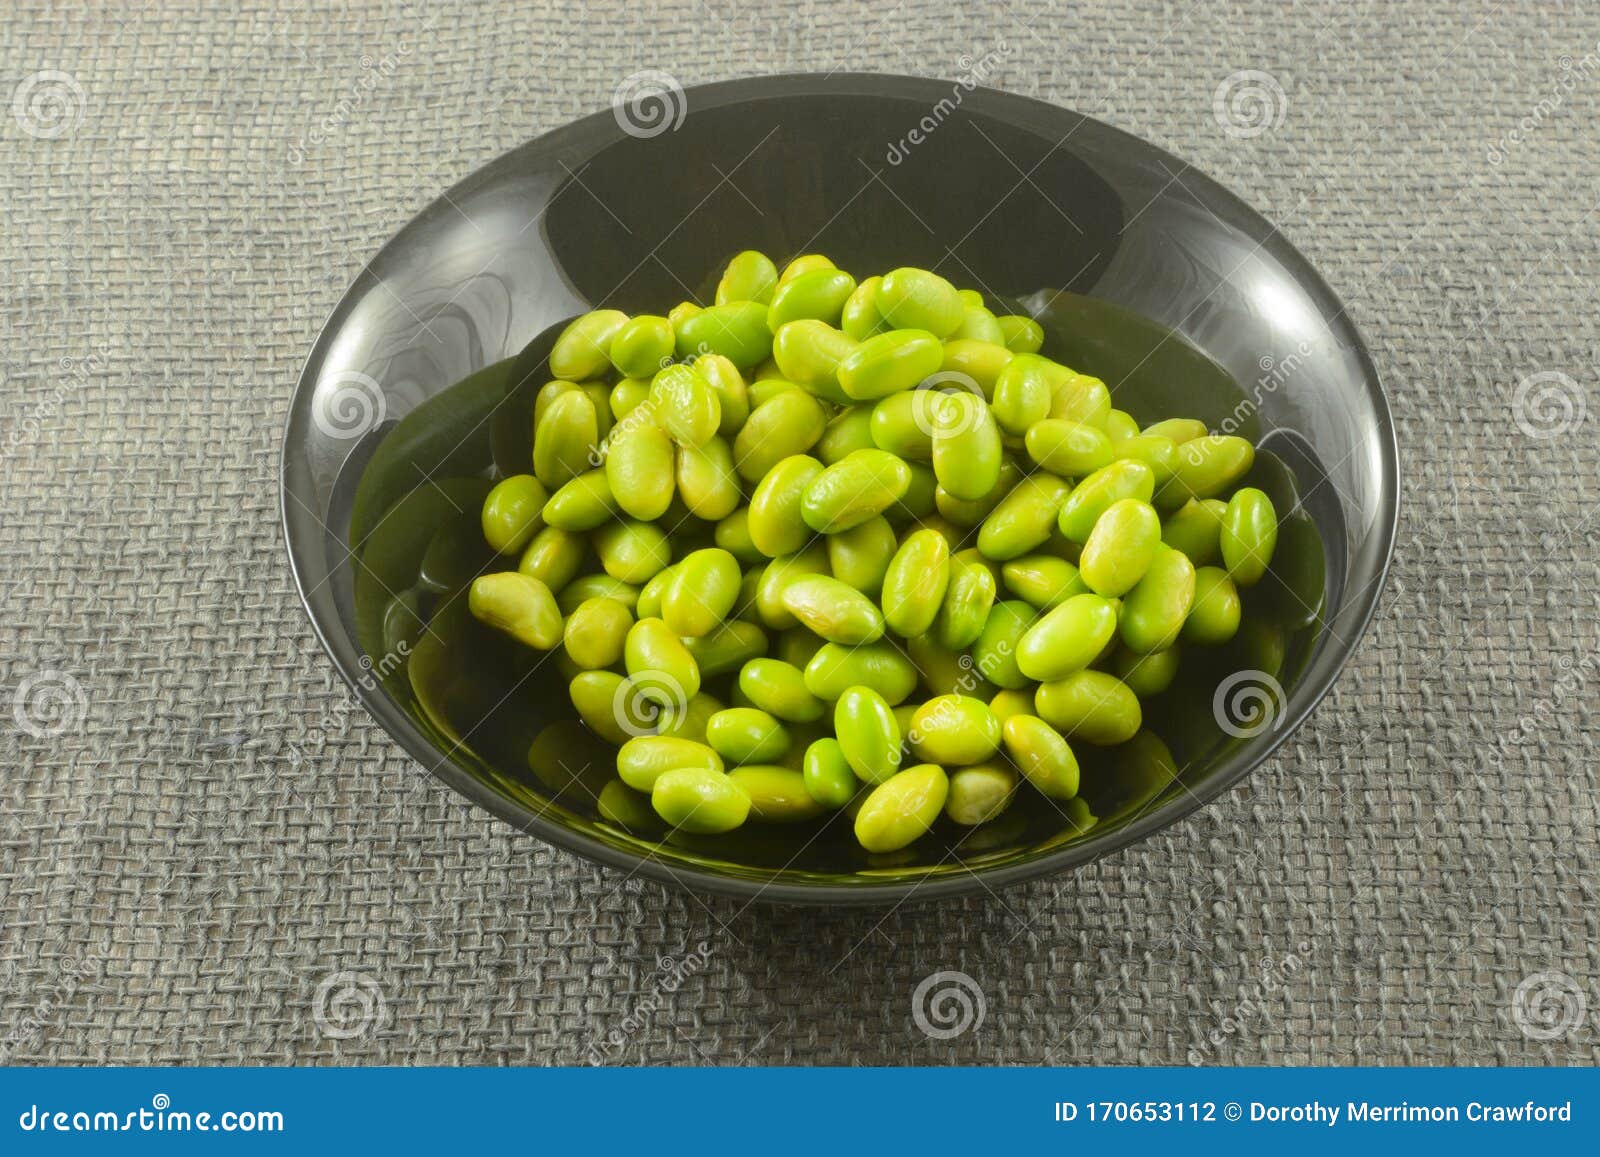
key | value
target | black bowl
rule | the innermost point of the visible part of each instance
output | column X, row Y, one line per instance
column 1143, row 271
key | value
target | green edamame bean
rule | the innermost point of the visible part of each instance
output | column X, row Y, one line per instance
column 513, row 513
column 1206, row 467
column 980, row 362
column 1043, row 755
column 738, row 331
column 696, row 800
column 582, row 504
column 1120, row 426
column 1022, row 335
column 632, row 551
column 702, row 592
column 809, row 352
column 778, row 795
column 889, row 363
column 727, row 648
column 995, row 652
column 651, row 594
column 1249, row 535
column 639, row 468
column 621, row 805
column 548, row 393
column 978, row 324
column 901, row 425
column 805, row 263
column 1157, row 452
column 954, row 730
column 564, row 440
column 733, row 535
column 868, row 734
column 553, row 557
column 848, row 431
column 660, row 664
column 1024, row 518
column 685, row 405
column 605, row 703
column 833, row 610
column 827, row 775
column 1094, row 495
column 860, row 556
column 641, row 345
column 943, row 671
column 1090, row 705
column 910, row 298
column 747, row 735
column 1078, row 397
column 1043, row 580
column 1146, row 674
column 645, row 759
column 688, row 720
column 764, row 389
column 818, row 295
column 1071, row 449
column 1214, row 617
column 707, row 481
column 860, row 487
column 919, row 500
column 967, row 451
column 777, row 576
column 733, row 396
column 798, row 647
column 1022, row 395
column 583, row 350
column 779, row 688
column 595, row 632
column 779, row 428
column 880, row 666
column 968, row 599
column 1195, row 528
column 860, row 318
column 901, row 810
column 1011, row 701
column 1180, row 430
column 1155, row 610
column 1120, row 547
column 591, row 586
column 914, row 585
column 971, row 512
column 980, row 793
column 627, row 396
column 681, row 312
column 777, row 524
column 1068, row 638
column 569, row 762
column 749, row 276
column 519, row 605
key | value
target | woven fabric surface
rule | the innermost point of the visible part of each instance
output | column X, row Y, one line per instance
column 197, row 863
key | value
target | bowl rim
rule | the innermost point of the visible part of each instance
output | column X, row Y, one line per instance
column 1014, row 109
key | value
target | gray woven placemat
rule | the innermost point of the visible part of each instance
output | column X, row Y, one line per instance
column 203, row 865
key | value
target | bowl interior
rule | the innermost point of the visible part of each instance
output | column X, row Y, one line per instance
column 1142, row 271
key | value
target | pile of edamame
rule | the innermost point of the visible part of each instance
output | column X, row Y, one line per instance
column 838, row 545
